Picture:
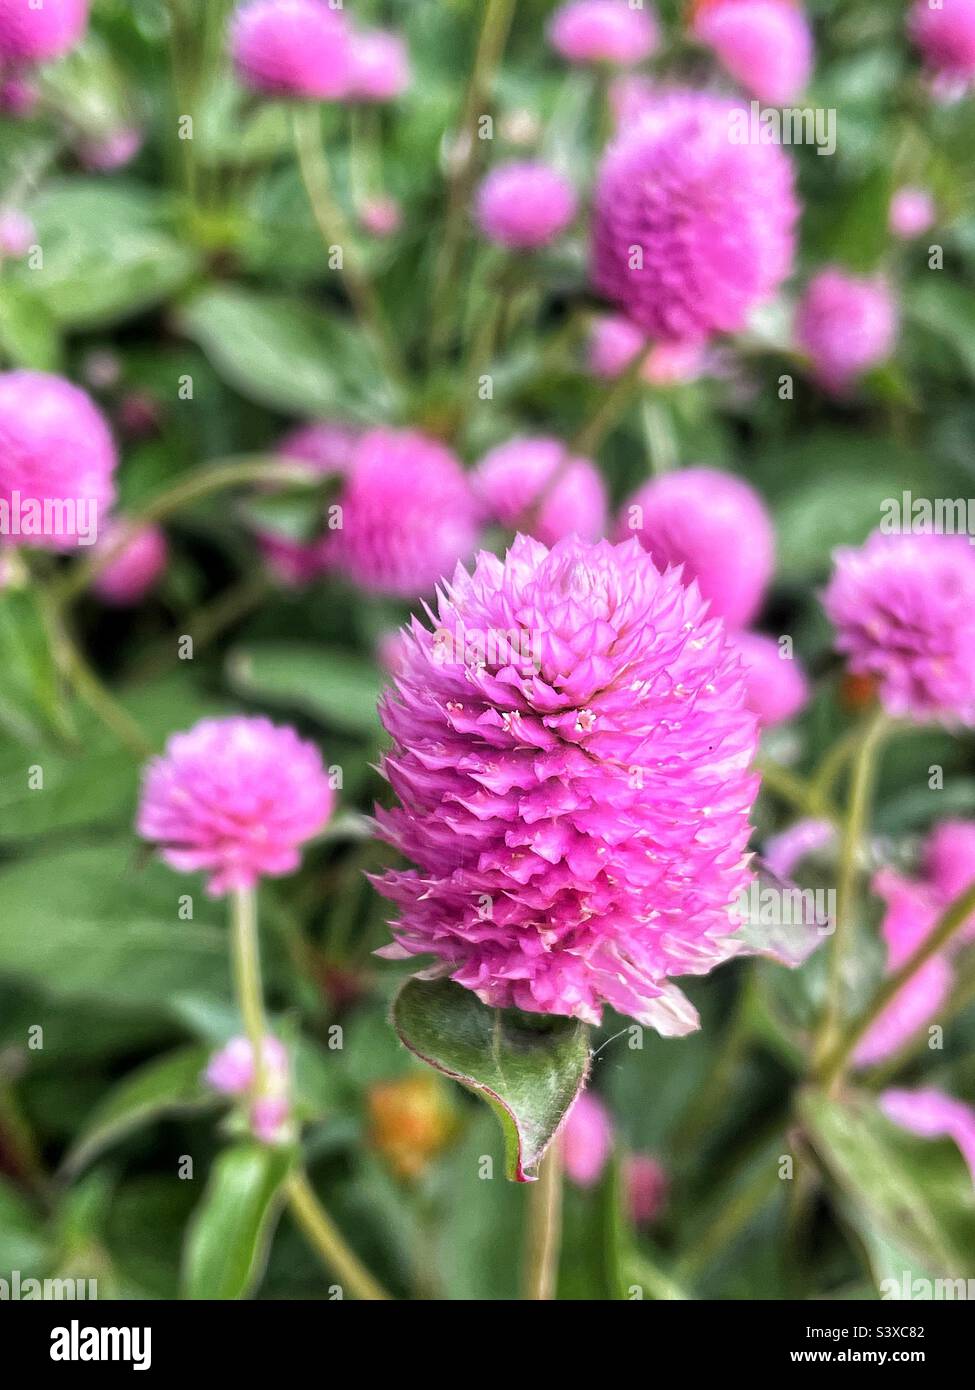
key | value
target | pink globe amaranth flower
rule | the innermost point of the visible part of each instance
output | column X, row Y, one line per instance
column 912, row 212
column 932, row 1114
column 380, row 66
column 603, row 31
column 904, row 611
column 133, row 570
column 533, row 485
column 776, row 687
column 17, row 233
column 646, row 1185
column 949, row 861
column 56, row 449
column 945, row 36
column 231, row 1070
column 785, row 851
column 105, row 153
column 408, row 515
column 614, row 342
column 270, row 1118
column 766, row 45
column 691, row 227
column 19, row 94
column 717, row 527
column 293, row 48
column 578, row 801
column 587, row 1140
column 524, row 205
column 381, row 217
column 31, row 33
column 327, row 446
column 236, row 798
column 912, row 911
column 846, row 325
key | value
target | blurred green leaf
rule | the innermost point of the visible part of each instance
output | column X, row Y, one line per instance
column 228, row 1239
column 28, row 332
column 330, row 684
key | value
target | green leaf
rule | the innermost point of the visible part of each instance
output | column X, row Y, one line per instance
column 229, row 1237
column 163, row 1086
column 23, row 1242
column 594, row 1241
column 28, row 332
column 330, row 685
column 528, row 1067
column 946, row 309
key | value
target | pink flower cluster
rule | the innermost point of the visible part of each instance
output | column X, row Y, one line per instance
column 231, row 1071
column 945, row 34
column 846, row 325
column 931, row 1114
column 766, row 45
column 524, row 205
column 587, row 1142
column 31, row 34
column 603, row 31
column 534, row 485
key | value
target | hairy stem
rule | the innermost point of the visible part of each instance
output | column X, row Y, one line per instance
column 544, row 1233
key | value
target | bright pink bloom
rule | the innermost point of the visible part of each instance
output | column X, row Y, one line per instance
column 904, row 610
column 328, row 447
column 587, row 1140
column 646, row 1185
column 408, row 515
column 391, row 650
column 933, row 1115
column 231, row 1070
column 524, row 205
column 55, row 447
column 17, row 233
column 133, row 571
column 105, row 154
column 380, row 66
column 766, row 45
column 776, row 687
column 234, row 797
column 381, row 216
column 783, row 852
column 949, row 860
column 691, row 229
column 293, row 48
column 532, row 485
column 31, row 33
column 603, row 31
column 846, row 325
column 578, row 802
column 717, row 527
column 912, row 911
column 946, row 37
column 614, row 342
column 18, row 95
column 912, row 212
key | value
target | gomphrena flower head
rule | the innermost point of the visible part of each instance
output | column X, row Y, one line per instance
column 776, row 685
column 904, row 611
column 536, row 486
column 134, row 569
column 949, row 862
column 524, row 205
column 574, row 785
column 380, row 66
column 932, row 1114
column 603, row 31
column 785, row 851
column 236, row 798
column 846, row 324
column 103, row 154
column 766, row 45
column 717, row 527
column 912, row 212
column 56, row 450
column 614, row 342
column 32, row 33
column 293, row 48
column 327, row 446
column 587, row 1139
column 408, row 515
column 945, row 35
column 646, row 1185
column 693, row 224
column 231, row 1070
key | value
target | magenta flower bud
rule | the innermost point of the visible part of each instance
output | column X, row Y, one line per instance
column 949, row 860
column 135, row 569
column 236, row 798
column 776, row 687
column 380, row 66
column 614, row 342
column 408, row 515
column 912, row 213
column 717, row 527
column 32, row 33
column 56, row 455
column 524, row 205
column 19, row 95
column 646, row 1185
column 269, row 1118
column 17, row 233
column 785, row 851
column 587, row 1140
column 531, row 485
column 904, row 611
column 603, row 31
column 932, row 1114
column 945, row 35
column 231, row 1070
column 104, row 154
column 381, row 217
column 292, row 48
column 533, row 778
column 766, row 45
column 693, row 225
column 845, row 325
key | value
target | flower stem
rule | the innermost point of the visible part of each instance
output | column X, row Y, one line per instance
column 544, row 1232
column 323, row 1234
column 588, row 439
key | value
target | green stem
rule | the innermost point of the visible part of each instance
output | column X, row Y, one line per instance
column 792, row 789
column 588, row 439
column 322, row 1233
column 544, row 1233
column 654, row 1281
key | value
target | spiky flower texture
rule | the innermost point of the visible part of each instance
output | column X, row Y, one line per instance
column 577, row 801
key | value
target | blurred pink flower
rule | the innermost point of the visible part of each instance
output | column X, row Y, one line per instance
column 32, row 33
column 603, row 31
column 381, row 217
column 614, row 342
column 17, row 233
column 904, row 611
column 646, row 1185
column 776, row 687
column 328, row 446
column 380, row 66
column 933, row 1115
column 133, row 571
column 949, row 861
column 691, row 229
column 530, row 485
column 106, row 153
column 766, row 45
column 524, row 205
column 587, row 1140
column 846, row 325
column 293, row 48
column 912, row 212
column 236, row 798
column 945, row 34
column 717, row 527
column 577, row 803
column 231, row 1070
column 270, row 1117
column 19, row 94
column 785, row 851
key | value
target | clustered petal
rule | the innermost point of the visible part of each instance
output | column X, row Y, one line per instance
column 766, row 45
column 846, row 324
column 296, row 48
column 32, row 33
column 134, row 569
column 776, row 685
column 603, row 31
column 945, row 34
column 536, row 486
column 524, row 205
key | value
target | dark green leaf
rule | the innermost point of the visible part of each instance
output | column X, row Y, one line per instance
column 228, row 1239
column 333, row 686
